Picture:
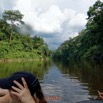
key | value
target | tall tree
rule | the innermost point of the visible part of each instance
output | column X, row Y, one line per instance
column 4, row 29
column 88, row 44
column 37, row 41
column 14, row 18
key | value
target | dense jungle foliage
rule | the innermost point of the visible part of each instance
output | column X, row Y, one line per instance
column 14, row 44
column 88, row 45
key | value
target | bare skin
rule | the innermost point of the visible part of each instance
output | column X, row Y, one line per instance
column 22, row 92
column 5, row 98
column 3, row 91
column 19, row 95
column 100, row 94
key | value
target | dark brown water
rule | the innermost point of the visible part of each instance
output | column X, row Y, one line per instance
column 62, row 82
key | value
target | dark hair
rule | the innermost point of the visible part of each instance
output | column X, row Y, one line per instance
column 32, row 81
column 40, row 96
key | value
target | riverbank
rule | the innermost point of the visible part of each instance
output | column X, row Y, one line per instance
column 23, row 60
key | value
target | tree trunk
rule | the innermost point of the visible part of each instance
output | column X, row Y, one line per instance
column 10, row 39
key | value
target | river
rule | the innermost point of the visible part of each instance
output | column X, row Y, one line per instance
column 62, row 82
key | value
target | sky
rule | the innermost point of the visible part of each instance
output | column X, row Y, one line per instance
column 54, row 20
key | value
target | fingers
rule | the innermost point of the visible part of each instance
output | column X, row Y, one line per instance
column 15, row 93
column 101, row 97
column 24, row 83
column 16, row 89
column 100, row 94
column 18, row 84
column 20, row 88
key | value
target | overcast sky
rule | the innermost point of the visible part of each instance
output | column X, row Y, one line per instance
column 54, row 20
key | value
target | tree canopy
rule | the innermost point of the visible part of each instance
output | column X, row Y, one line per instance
column 88, row 45
column 23, row 46
column 14, row 18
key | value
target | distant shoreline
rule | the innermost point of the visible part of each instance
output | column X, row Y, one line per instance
column 22, row 60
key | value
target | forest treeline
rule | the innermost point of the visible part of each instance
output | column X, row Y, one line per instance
column 14, row 44
column 88, row 45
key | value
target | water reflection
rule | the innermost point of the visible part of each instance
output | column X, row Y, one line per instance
column 71, row 82
column 37, row 68
column 60, row 84
column 89, row 74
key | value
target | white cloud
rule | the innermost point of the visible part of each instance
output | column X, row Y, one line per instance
column 78, row 20
column 6, row 4
column 50, row 21
column 54, row 20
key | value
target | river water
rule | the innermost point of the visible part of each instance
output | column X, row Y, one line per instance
column 62, row 82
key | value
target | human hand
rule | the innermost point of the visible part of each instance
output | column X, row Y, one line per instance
column 3, row 91
column 100, row 94
column 22, row 92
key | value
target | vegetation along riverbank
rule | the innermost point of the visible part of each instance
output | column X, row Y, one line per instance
column 88, row 45
column 16, row 42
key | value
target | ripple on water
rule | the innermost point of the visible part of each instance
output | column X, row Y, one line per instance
column 67, row 88
column 52, row 92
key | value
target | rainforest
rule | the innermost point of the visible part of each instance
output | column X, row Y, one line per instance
column 15, row 44
column 88, row 45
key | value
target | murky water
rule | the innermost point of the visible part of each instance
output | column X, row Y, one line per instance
column 62, row 83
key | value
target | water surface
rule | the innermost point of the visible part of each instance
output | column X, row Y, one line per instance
column 62, row 82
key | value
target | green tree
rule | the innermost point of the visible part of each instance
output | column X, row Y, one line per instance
column 37, row 41
column 14, row 18
column 88, row 44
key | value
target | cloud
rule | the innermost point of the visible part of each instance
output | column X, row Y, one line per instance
column 54, row 20
column 77, row 5
column 48, row 22
column 78, row 20
column 25, row 29
column 6, row 4
column 54, row 25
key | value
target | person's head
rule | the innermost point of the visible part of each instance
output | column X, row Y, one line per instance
column 32, row 82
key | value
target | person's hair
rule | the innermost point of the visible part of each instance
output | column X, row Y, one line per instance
column 40, row 96
column 32, row 82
